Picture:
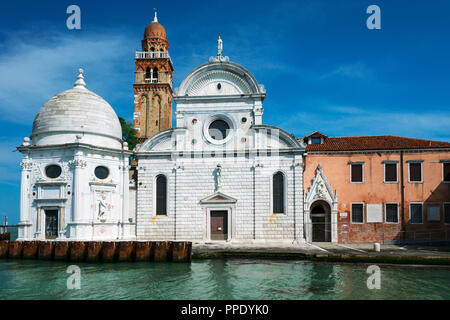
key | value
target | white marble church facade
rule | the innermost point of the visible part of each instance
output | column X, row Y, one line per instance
column 220, row 174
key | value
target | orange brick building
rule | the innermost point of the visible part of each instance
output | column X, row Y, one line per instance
column 376, row 188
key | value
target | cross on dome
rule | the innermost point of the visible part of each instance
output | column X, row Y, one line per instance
column 80, row 84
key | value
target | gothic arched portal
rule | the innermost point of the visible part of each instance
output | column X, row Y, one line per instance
column 321, row 221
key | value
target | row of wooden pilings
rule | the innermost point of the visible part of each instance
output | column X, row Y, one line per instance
column 98, row 251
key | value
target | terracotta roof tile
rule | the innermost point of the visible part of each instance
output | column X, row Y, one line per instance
column 374, row 143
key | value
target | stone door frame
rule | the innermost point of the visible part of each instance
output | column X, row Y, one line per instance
column 230, row 225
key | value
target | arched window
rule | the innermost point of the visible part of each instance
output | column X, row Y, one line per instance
column 278, row 193
column 147, row 74
column 155, row 75
column 161, row 195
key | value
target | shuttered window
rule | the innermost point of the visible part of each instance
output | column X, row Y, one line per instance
column 357, row 172
column 392, row 212
column 390, row 172
column 415, row 172
column 161, row 195
column 416, row 213
column 357, row 213
column 278, row 193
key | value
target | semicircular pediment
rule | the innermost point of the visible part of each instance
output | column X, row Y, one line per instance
column 218, row 82
column 213, row 79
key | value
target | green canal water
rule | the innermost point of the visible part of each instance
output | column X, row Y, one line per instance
column 220, row 279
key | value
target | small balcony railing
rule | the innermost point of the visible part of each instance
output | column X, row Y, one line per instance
column 152, row 55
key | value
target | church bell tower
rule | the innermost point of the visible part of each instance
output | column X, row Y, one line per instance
column 153, row 83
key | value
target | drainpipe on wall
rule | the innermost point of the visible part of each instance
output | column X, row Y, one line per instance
column 254, row 202
column 303, row 196
column 295, row 204
column 402, row 194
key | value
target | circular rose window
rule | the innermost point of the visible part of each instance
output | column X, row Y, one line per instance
column 101, row 172
column 218, row 129
column 53, row 171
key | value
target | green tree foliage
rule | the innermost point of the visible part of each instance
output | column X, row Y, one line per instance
column 128, row 133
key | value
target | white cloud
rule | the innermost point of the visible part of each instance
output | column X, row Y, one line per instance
column 32, row 72
column 356, row 70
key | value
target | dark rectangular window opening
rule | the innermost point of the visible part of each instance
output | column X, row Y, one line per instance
column 357, row 213
column 390, row 172
column 416, row 213
column 415, row 172
column 392, row 212
column 357, row 173
column 446, row 171
column 447, row 212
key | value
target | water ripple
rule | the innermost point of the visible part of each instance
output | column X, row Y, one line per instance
column 219, row 279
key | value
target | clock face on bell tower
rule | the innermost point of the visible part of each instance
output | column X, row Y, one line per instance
column 153, row 83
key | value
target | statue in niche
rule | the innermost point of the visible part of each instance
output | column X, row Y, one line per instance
column 320, row 190
column 102, row 206
column 218, row 177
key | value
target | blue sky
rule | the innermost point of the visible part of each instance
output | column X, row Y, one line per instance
column 321, row 66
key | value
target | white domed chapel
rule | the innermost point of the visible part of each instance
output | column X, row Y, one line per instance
column 75, row 171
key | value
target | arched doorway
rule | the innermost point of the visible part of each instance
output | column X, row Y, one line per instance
column 321, row 221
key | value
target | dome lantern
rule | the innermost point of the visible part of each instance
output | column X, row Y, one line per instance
column 155, row 30
column 80, row 80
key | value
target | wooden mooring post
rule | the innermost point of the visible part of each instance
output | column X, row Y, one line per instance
column 4, row 234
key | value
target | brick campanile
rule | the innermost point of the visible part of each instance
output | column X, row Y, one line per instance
column 153, row 83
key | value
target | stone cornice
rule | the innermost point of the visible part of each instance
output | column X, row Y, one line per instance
column 228, row 98
column 73, row 146
column 242, row 152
